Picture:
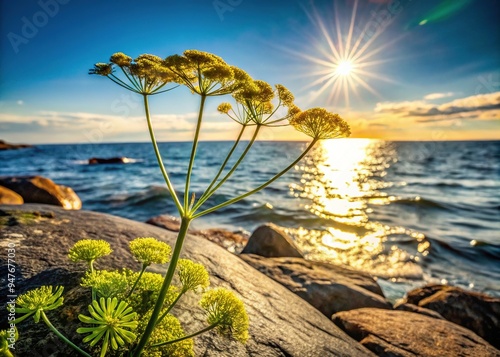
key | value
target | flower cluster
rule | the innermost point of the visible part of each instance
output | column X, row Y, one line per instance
column 88, row 250
column 36, row 301
column 192, row 275
column 318, row 123
column 106, row 283
column 227, row 312
column 206, row 74
column 113, row 322
column 150, row 250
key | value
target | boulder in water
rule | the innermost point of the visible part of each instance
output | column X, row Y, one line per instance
column 38, row 189
column 269, row 240
column 9, row 197
column 111, row 160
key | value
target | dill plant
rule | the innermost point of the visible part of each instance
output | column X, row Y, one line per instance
column 130, row 311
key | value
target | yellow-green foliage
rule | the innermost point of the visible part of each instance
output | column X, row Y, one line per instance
column 113, row 321
column 37, row 300
column 4, row 342
column 89, row 250
column 166, row 330
column 226, row 311
column 107, row 283
column 318, row 123
column 150, row 250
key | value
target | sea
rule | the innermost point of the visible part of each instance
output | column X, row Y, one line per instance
column 408, row 213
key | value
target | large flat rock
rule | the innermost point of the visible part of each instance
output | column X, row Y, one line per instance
column 281, row 324
column 407, row 334
column 327, row 287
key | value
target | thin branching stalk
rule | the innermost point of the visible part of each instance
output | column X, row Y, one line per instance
column 144, row 266
column 159, row 159
column 208, row 328
column 170, row 307
column 264, row 185
column 62, row 337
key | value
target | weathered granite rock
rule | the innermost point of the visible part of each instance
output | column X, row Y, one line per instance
column 9, row 197
column 7, row 146
column 111, row 160
column 477, row 312
column 327, row 287
column 281, row 324
column 269, row 240
column 418, row 310
column 407, row 334
column 233, row 242
column 38, row 189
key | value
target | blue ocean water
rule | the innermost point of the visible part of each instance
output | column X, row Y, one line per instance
column 407, row 212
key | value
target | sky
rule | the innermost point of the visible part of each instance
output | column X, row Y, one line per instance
column 393, row 69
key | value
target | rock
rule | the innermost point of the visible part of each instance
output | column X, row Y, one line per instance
column 6, row 146
column 38, row 189
column 111, row 160
column 232, row 242
column 479, row 313
column 407, row 334
column 281, row 324
column 166, row 221
column 9, row 197
column 270, row 241
column 328, row 288
column 418, row 310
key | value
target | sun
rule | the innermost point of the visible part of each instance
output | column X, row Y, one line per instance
column 344, row 68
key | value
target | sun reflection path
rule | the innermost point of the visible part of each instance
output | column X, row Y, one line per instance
column 341, row 183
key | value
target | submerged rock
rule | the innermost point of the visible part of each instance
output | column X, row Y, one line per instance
column 9, row 197
column 38, row 189
column 269, row 240
column 281, row 324
column 327, row 287
column 479, row 313
column 407, row 334
column 111, row 160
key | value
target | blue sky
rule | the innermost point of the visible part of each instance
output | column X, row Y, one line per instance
column 425, row 70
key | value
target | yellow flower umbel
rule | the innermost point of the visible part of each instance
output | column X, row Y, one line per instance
column 319, row 124
column 192, row 275
column 36, row 301
column 88, row 250
column 150, row 250
column 206, row 74
column 112, row 322
column 226, row 312
column 146, row 75
column 106, row 283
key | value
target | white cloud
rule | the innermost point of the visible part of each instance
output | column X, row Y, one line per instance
column 434, row 96
column 20, row 102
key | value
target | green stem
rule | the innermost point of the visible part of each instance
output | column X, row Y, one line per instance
column 62, row 337
column 222, row 167
column 144, row 266
column 159, row 159
column 228, row 175
column 164, row 288
column 193, row 153
column 208, row 328
column 264, row 185
column 91, row 268
column 170, row 307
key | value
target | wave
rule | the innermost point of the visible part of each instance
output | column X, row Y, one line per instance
column 420, row 202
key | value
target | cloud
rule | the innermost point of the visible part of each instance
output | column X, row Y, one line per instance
column 473, row 107
column 20, row 102
column 434, row 96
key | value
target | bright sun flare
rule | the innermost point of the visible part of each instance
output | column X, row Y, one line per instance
column 344, row 68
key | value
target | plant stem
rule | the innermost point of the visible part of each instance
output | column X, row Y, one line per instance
column 164, row 288
column 208, row 328
column 170, row 307
column 222, row 167
column 62, row 337
column 193, row 153
column 144, row 266
column 159, row 159
column 228, row 175
column 264, row 185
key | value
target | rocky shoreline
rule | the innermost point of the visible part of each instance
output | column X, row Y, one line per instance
column 8, row 146
column 296, row 307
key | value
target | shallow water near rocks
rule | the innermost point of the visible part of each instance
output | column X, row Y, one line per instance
column 406, row 212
